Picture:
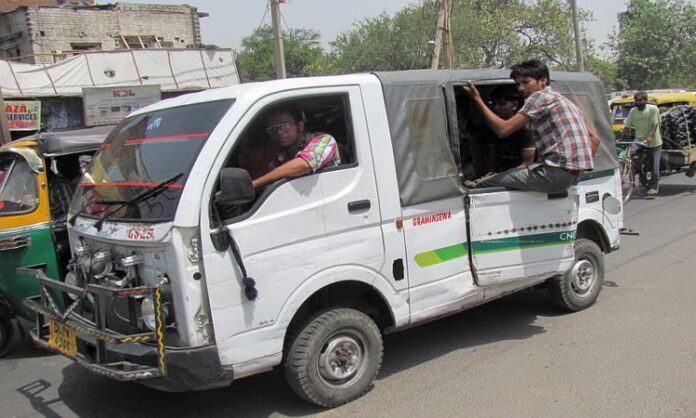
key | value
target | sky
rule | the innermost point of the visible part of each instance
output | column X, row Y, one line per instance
column 231, row 20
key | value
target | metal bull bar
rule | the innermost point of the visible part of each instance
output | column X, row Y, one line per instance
column 47, row 309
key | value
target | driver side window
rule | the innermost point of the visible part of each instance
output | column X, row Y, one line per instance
column 312, row 132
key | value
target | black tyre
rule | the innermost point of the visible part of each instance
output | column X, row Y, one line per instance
column 580, row 286
column 334, row 357
column 6, row 335
column 628, row 180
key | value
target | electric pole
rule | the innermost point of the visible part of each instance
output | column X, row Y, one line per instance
column 578, row 43
column 278, row 39
column 443, row 36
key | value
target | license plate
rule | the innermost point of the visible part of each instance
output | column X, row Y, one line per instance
column 62, row 338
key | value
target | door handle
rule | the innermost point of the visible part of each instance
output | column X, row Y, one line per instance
column 358, row 205
column 15, row 243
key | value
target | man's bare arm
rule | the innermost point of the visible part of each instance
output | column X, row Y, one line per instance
column 594, row 140
column 294, row 168
column 501, row 127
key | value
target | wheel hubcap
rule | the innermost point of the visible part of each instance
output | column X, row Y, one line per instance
column 342, row 360
column 583, row 274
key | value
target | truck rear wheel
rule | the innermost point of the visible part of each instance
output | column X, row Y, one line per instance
column 6, row 335
column 580, row 286
column 335, row 357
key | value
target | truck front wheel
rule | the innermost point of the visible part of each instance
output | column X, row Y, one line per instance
column 335, row 357
column 579, row 287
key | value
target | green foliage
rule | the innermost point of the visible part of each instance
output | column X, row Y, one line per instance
column 656, row 44
column 606, row 71
column 499, row 33
column 388, row 43
column 302, row 53
column 490, row 33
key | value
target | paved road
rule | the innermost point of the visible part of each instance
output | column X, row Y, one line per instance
column 631, row 355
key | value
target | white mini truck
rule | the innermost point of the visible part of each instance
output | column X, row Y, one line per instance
column 182, row 277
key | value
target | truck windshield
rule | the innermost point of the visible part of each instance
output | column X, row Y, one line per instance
column 145, row 152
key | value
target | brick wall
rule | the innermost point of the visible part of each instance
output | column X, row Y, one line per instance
column 14, row 39
column 10, row 5
column 68, row 28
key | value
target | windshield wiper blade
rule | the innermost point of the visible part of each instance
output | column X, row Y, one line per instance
column 136, row 199
column 99, row 200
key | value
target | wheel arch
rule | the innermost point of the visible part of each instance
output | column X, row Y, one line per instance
column 354, row 294
column 593, row 231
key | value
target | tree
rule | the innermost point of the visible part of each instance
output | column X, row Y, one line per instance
column 486, row 33
column 606, row 71
column 656, row 44
column 388, row 43
column 302, row 53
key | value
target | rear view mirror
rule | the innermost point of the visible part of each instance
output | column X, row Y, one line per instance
column 235, row 187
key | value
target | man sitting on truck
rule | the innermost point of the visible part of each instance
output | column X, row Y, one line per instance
column 297, row 152
column 564, row 141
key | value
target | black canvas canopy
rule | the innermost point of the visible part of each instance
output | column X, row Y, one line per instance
column 73, row 141
column 422, row 117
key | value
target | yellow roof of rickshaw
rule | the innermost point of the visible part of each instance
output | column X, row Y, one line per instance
column 20, row 143
column 661, row 98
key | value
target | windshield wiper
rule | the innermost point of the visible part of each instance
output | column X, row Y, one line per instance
column 99, row 200
column 135, row 200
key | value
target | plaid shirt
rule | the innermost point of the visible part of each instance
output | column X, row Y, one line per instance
column 559, row 130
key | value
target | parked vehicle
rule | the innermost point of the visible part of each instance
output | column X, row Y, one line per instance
column 678, row 129
column 177, row 292
column 28, row 234
column 664, row 100
column 678, row 132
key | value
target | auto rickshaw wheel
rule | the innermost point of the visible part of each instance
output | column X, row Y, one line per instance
column 7, row 331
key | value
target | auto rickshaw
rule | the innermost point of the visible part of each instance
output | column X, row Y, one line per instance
column 664, row 100
column 30, row 236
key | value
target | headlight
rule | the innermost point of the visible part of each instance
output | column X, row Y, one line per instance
column 71, row 279
column 147, row 309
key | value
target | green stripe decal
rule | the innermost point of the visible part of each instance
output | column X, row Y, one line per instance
column 452, row 252
column 440, row 255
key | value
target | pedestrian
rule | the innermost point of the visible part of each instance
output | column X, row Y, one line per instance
column 644, row 118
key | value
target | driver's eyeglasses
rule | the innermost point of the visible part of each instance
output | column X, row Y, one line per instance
column 274, row 129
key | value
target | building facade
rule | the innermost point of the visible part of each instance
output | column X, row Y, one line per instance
column 43, row 34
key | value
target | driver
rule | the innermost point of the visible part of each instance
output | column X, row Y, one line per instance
column 297, row 152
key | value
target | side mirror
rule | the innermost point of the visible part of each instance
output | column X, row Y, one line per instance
column 235, row 187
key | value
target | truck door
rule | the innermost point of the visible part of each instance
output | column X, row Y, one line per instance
column 434, row 221
column 301, row 234
column 517, row 235
column 513, row 235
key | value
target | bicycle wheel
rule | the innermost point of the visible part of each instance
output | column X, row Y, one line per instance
column 628, row 179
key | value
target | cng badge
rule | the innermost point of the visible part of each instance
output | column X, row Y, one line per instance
column 567, row 236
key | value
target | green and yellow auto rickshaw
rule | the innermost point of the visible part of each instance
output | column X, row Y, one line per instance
column 30, row 234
